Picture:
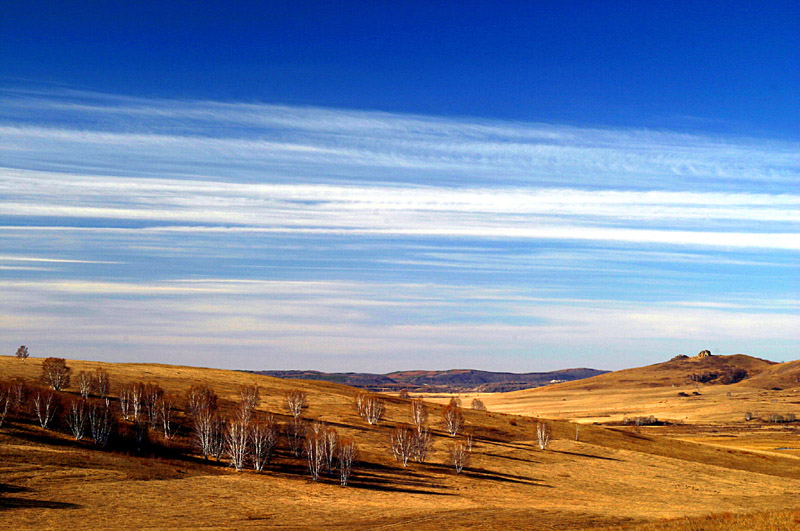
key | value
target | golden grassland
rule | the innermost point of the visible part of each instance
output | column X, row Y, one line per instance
column 670, row 477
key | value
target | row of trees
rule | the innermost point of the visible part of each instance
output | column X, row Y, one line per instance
column 246, row 437
column 250, row 438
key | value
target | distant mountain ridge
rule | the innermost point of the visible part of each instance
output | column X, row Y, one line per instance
column 454, row 380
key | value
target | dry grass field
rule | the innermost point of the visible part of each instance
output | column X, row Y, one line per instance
column 613, row 477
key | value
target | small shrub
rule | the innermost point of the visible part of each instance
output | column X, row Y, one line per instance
column 478, row 405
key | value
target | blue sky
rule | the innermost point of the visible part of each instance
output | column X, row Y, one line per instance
column 287, row 185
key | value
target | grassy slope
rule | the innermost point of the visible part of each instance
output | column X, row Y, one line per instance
column 607, row 477
column 656, row 390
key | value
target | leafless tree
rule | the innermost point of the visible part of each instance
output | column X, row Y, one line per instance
column 19, row 392
column 101, row 422
column 331, row 439
column 419, row 413
column 200, row 398
column 360, row 403
column 217, row 437
column 577, row 430
column 422, row 443
column 348, row 453
column 125, row 402
column 45, row 406
column 468, row 440
column 314, row 449
column 22, row 353
column 542, row 435
column 251, row 398
column 5, row 400
column 84, row 384
column 236, row 441
column 459, row 455
column 101, row 383
column 373, row 409
column 263, row 439
column 164, row 407
column 403, row 444
column 403, row 394
column 453, row 418
column 55, row 373
column 478, row 405
column 204, row 424
column 137, row 401
column 295, row 431
column 295, row 402
column 76, row 416
column 151, row 396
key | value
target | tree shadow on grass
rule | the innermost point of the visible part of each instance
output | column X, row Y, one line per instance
column 24, row 503
column 492, row 475
column 577, row 454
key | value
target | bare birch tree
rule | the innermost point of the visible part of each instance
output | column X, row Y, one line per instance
column 101, row 423
column 45, row 406
column 542, row 435
column 263, row 439
column 76, row 415
column 217, row 437
column 251, row 398
column 374, row 409
column 419, row 413
column 164, row 412
column 331, row 444
column 137, row 401
column 200, row 398
column 453, row 418
column 236, row 441
column 295, row 402
column 478, row 405
column 314, row 449
column 295, row 431
column 360, row 403
column 203, row 429
column 152, row 394
column 55, row 373
column 468, row 440
column 125, row 402
column 5, row 400
column 347, row 454
column 22, row 353
column 459, row 456
column 84, row 384
column 19, row 393
column 422, row 443
column 403, row 444
column 102, row 382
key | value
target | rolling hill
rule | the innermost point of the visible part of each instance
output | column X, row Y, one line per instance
column 451, row 381
column 588, row 478
column 684, row 389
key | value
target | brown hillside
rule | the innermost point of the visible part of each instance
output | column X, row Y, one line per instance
column 609, row 476
column 666, row 390
column 782, row 375
column 678, row 371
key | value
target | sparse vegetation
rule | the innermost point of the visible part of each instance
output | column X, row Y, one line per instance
column 543, row 433
column 296, row 400
column 459, row 455
column 22, row 353
column 139, row 452
column 453, row 418
column 55, row 373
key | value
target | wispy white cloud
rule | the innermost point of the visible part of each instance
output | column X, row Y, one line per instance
column 300, row 233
